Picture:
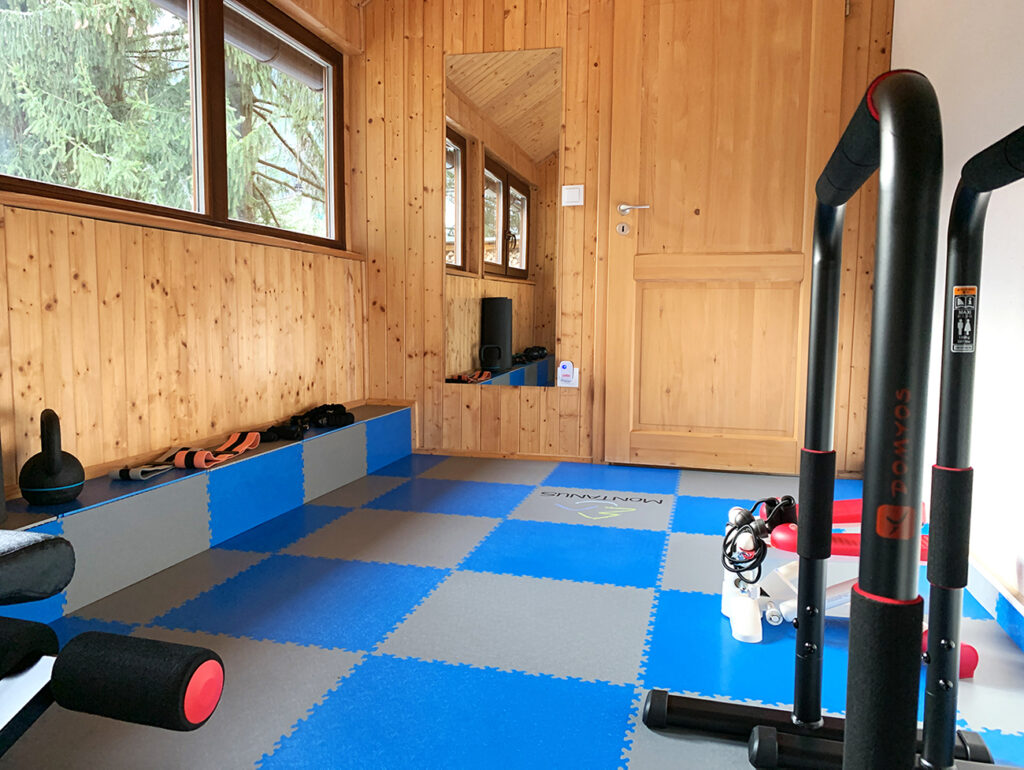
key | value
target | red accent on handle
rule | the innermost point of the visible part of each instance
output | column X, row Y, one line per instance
column 874, row 84
column 886, row 599
column 203, row 692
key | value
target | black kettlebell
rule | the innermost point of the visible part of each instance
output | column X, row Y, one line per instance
column 52, row 476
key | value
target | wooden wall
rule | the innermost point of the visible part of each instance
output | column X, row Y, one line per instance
column 544, row 242
column 142, row 338
column 462, row 317
column 397, row 92
column 394, row 177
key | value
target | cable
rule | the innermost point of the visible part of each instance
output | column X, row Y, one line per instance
column 740, row 560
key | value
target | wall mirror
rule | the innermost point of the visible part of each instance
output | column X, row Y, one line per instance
column 504, row 133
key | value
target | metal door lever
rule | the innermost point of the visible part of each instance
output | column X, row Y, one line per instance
column 625, row 208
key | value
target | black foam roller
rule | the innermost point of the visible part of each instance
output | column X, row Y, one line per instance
column 884, row 676
column 128, row 678
column 23, row 643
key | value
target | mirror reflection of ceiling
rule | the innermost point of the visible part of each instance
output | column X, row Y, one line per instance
column 519, row 91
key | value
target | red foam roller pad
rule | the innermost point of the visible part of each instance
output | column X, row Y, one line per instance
column 203, row 692
column 843, row 543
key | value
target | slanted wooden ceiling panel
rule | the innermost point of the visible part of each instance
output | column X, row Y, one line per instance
column 519, row 91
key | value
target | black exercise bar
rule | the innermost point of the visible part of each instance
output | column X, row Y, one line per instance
column 896, row 127
column 996, row 166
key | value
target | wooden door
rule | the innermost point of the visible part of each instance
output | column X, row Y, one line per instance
column 724, row 112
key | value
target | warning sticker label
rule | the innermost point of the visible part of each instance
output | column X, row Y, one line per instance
column 965, row 318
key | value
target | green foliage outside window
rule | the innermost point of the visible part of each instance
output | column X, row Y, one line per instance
column 96, row 95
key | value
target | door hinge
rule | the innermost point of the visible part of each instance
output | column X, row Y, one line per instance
column 847, row 7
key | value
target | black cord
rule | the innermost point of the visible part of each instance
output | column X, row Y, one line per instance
column 740, row 561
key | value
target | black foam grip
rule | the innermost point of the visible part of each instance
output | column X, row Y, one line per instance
column 127, row 678
column 997, row 165
column 950, row 528
column 854, row 159
column 817, row 490
column 22, row 643
column 883, row 680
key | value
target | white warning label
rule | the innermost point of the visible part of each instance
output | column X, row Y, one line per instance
column 965, row 318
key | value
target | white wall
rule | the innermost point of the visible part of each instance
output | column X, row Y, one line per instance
column 973, row 53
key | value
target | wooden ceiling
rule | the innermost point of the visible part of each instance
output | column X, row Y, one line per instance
column 519, row 91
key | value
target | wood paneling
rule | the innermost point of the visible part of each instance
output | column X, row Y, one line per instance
column 142, row 338
column 520, row 92
column 546, row 206
column 338, row 22
column 462, row 322
column 562, row 422
column 471, row 123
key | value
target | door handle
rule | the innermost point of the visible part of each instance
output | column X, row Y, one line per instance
column 625, row 208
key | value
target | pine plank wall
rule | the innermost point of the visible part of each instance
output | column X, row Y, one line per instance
column 142, row 336
column 397, row 123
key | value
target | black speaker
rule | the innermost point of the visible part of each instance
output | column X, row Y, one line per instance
column 495, row 333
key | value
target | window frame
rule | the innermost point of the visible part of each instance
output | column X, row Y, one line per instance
column 460, row 141
column 510, row 180
column 209, row 128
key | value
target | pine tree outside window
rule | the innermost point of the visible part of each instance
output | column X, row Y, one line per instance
column 202, row 110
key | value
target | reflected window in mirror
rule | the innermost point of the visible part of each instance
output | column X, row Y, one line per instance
column 455, row 201
column 506, row 213
column 494, row 207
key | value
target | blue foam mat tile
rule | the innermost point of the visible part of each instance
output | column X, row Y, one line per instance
column 704, row 515
column 1006, row 748
column 467, row 498
column 620, row 478
column 622, row 557
column 849, row 489
column 70, row 626
column 246, row 494
column 388, row 438
column 393, row 712
column 43, row 611
column 282, row 531
column 692, row 650
column 1010, row 620
column 330, row 603
column 411, row 465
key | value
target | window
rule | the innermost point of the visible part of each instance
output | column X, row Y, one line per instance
column 98, row 97
column 506, row 218
column 455, row 201
column 217, row 111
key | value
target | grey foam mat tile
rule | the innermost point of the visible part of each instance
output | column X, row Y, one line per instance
column 359, row 493
column 627, row 510
column 694, row 563
column 400, row 537
column 114, row 542
column 268, row 688
column 333, row 460
column 994, row 698
column 491, row 470
column 149, row 598
column 736, row 486
column 534, row 625
column 658, row 750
